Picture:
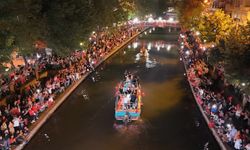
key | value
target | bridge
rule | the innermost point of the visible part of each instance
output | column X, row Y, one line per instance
column 162, row 24
column 170, row 22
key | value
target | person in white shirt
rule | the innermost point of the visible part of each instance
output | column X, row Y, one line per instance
column 237, row 143
column 126, row 101
column 16, row 123
column 231, row 134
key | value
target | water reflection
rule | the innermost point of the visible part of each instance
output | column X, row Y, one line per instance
column 150, row 63
column 149, row 46
column 146, row 47
column 155, row 45
column 144, row 56
column 84, row 94
column 132, row 129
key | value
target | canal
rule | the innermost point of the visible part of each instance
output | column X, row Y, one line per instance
column 170, row 118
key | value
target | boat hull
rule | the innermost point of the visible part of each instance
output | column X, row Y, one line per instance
column 120, row 115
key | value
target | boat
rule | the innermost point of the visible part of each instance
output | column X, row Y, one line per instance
column 144, row 51
column 128, row 99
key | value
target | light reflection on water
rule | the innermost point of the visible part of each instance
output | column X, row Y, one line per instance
column 150, row 63
column 146, row 48
column 131, row 130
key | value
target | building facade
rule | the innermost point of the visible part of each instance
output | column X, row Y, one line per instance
column 237, row 9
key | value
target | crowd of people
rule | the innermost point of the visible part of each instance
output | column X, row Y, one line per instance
column 23, row 107
column 20, row 76
column 226, row 106
column 127, row 93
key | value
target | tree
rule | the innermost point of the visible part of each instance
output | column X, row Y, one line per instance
column 237, row 46
column 215, row 26
column 245, row 34
column 128, row 7
column 189, row 11
column 235, row 53
column 68, row 22
column 21, row 24
column 62, row 24
column 145, row 7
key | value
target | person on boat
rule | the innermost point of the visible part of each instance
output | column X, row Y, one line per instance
column 133, row 100
column 134, row 80
column 126, row 100
column 120, row 90
column 127, row 118
column 143, row 50
column 129, row 91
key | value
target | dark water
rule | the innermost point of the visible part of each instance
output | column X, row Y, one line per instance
column 170, row 119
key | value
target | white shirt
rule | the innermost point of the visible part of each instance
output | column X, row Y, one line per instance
column 51, row 99
column 201, row 92
column 128, row 97
column 237, row 144
column 232, row 133
column 16, row 122
column 125, row 100
column 238, row 112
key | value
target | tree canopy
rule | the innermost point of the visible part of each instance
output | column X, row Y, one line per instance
column 189, row 12
column 215, row 26
column 62, row 24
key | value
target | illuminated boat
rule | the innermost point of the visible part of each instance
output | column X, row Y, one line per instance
column 128, row 99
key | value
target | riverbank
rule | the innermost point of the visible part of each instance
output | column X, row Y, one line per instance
column 215, row 134
column 61, row 98
column 223, row 105
column 218, row 139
